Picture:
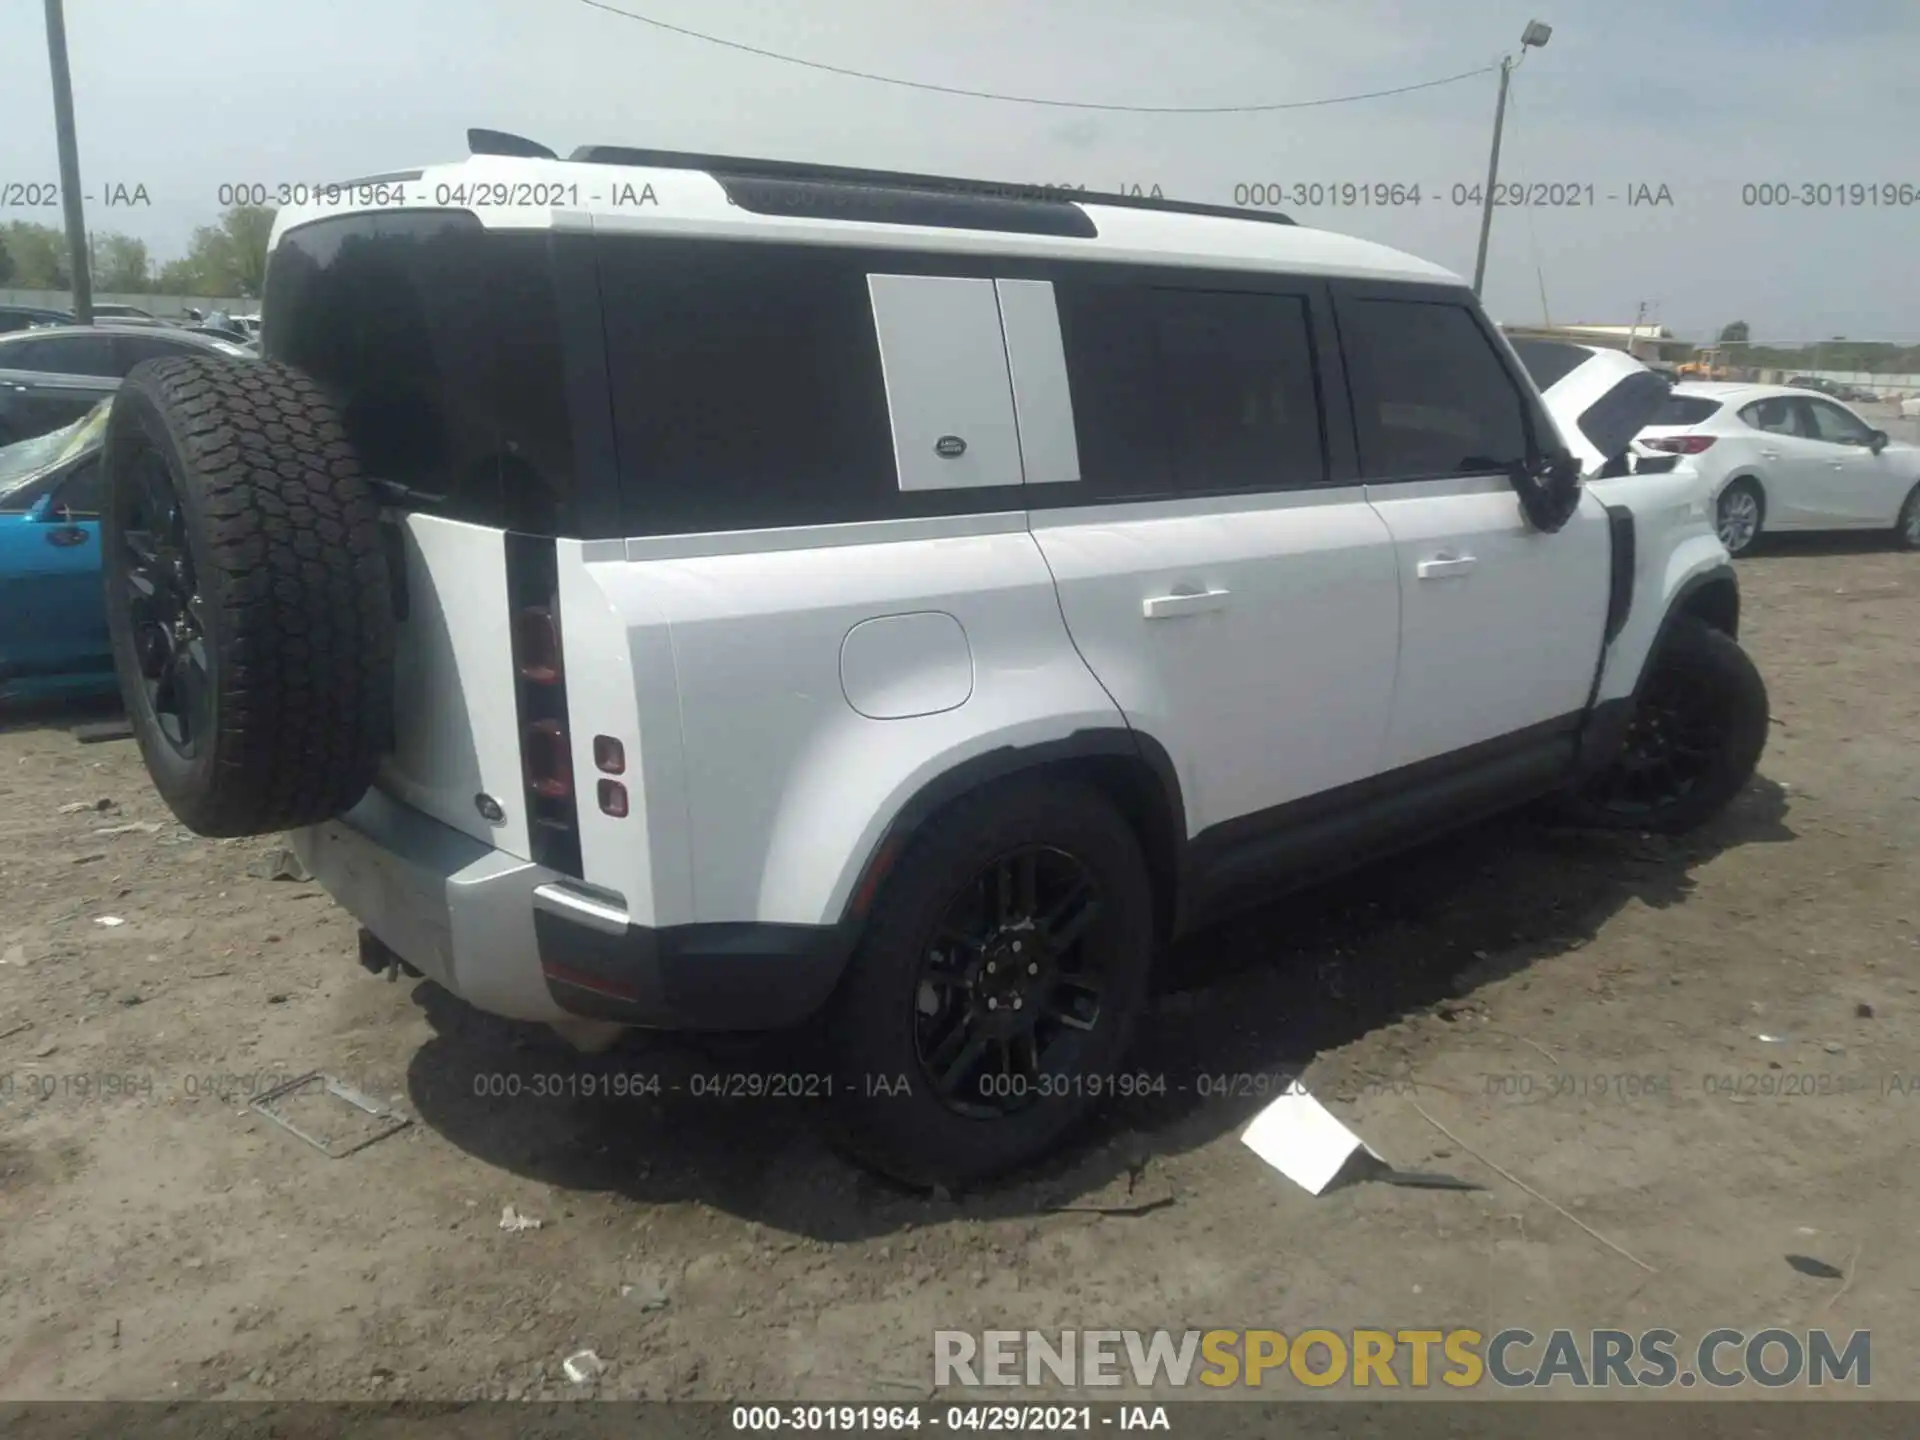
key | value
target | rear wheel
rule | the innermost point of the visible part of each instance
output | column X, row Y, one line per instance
column 1699, row 726
column 1739, row 516
column 996, row 986
column 1906, row 534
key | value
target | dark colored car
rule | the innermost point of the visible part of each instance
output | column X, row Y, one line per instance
column 22, row 317
column 121, row 312
column 51, row 377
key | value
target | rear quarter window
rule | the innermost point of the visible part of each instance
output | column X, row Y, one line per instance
column 1685, row 410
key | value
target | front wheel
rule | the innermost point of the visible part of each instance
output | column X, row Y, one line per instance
column 1906, row 534
column 996, row 987
column 1699, row 725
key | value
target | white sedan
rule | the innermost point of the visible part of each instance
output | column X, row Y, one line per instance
column 1781, row 458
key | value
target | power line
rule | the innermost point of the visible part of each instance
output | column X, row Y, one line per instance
column 1031, row 99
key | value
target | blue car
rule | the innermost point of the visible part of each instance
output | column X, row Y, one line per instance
column 53, row 625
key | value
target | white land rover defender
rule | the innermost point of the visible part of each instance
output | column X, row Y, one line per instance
column 689, row 592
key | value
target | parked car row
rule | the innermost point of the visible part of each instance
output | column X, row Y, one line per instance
column 53, row 375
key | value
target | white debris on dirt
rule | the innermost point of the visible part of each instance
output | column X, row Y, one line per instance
column 132, row 827
column 1300, row 1138
column 512, row 1219
column 108, row 920
column 583, row 1366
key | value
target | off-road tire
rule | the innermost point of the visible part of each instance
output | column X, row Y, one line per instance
column 1720, row 675
column 282, row 534
column 868, row 1027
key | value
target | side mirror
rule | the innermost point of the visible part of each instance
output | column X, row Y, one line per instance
column 1877, row 441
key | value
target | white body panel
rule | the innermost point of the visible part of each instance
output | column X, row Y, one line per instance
column 780, row 787
column 1253, row 637
column 457, row 729
column 947, row 380
column 1675, row 544
column 1475, row 661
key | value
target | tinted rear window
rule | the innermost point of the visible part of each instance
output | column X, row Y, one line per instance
column 1550, row 361
column 1190, row 392
column 440, row 343
column 1684, row 410
column 747, row 386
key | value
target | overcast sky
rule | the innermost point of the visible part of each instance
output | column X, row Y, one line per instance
column 1702, row 96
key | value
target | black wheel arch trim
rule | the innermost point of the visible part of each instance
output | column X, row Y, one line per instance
column 1101, row 743
column 1607, row 720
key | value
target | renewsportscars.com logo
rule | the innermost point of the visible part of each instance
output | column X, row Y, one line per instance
column 1416, row 1359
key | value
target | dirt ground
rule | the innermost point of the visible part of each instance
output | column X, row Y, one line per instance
column 158, row 1240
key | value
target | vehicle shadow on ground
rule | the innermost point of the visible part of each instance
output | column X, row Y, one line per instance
column 74, row 713
column 1261, row 995
column 1825, row 542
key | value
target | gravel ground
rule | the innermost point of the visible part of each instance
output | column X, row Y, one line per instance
column 1461, row 1007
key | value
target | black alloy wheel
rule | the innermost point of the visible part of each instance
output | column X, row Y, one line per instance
column 166, row 608
column 1007, row 992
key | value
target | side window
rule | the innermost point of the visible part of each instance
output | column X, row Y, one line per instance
column 1238, row 372
column 1119, row 404
column 1777, row 415
column 82, row 493
column 747, row 385
column 1836, row 426
column 1185, row 392
column 64, row 355
column 1430, row 395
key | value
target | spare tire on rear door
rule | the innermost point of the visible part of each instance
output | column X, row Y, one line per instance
column 247, row 594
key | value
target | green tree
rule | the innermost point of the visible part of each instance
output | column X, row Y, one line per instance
column 39, row 254
column 229, row 258
column 1737, row 333
column 6, row 260
column 120, row 265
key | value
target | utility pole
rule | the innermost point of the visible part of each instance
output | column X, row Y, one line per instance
column 1534, row 36
column 69, row 165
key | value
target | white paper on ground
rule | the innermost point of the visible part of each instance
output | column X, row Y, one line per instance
column 1300, row 1138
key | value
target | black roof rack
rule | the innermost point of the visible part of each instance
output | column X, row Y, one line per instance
column 791, row 172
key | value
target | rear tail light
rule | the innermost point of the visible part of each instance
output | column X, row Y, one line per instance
column 613, row 799
column 537, row 645
column 609, row 755
column 1679, row 444
column 539, row 669
column 549, row 766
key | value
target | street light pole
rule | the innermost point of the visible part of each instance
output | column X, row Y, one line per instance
column 1535, row 35
column 69, row 165
column 1493, row 173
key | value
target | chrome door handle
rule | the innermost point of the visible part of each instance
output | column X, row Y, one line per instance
column 1442, row 566
column 1769, row 454
column 1162, row 607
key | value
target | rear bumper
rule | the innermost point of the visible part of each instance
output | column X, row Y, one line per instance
column 517, row 939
